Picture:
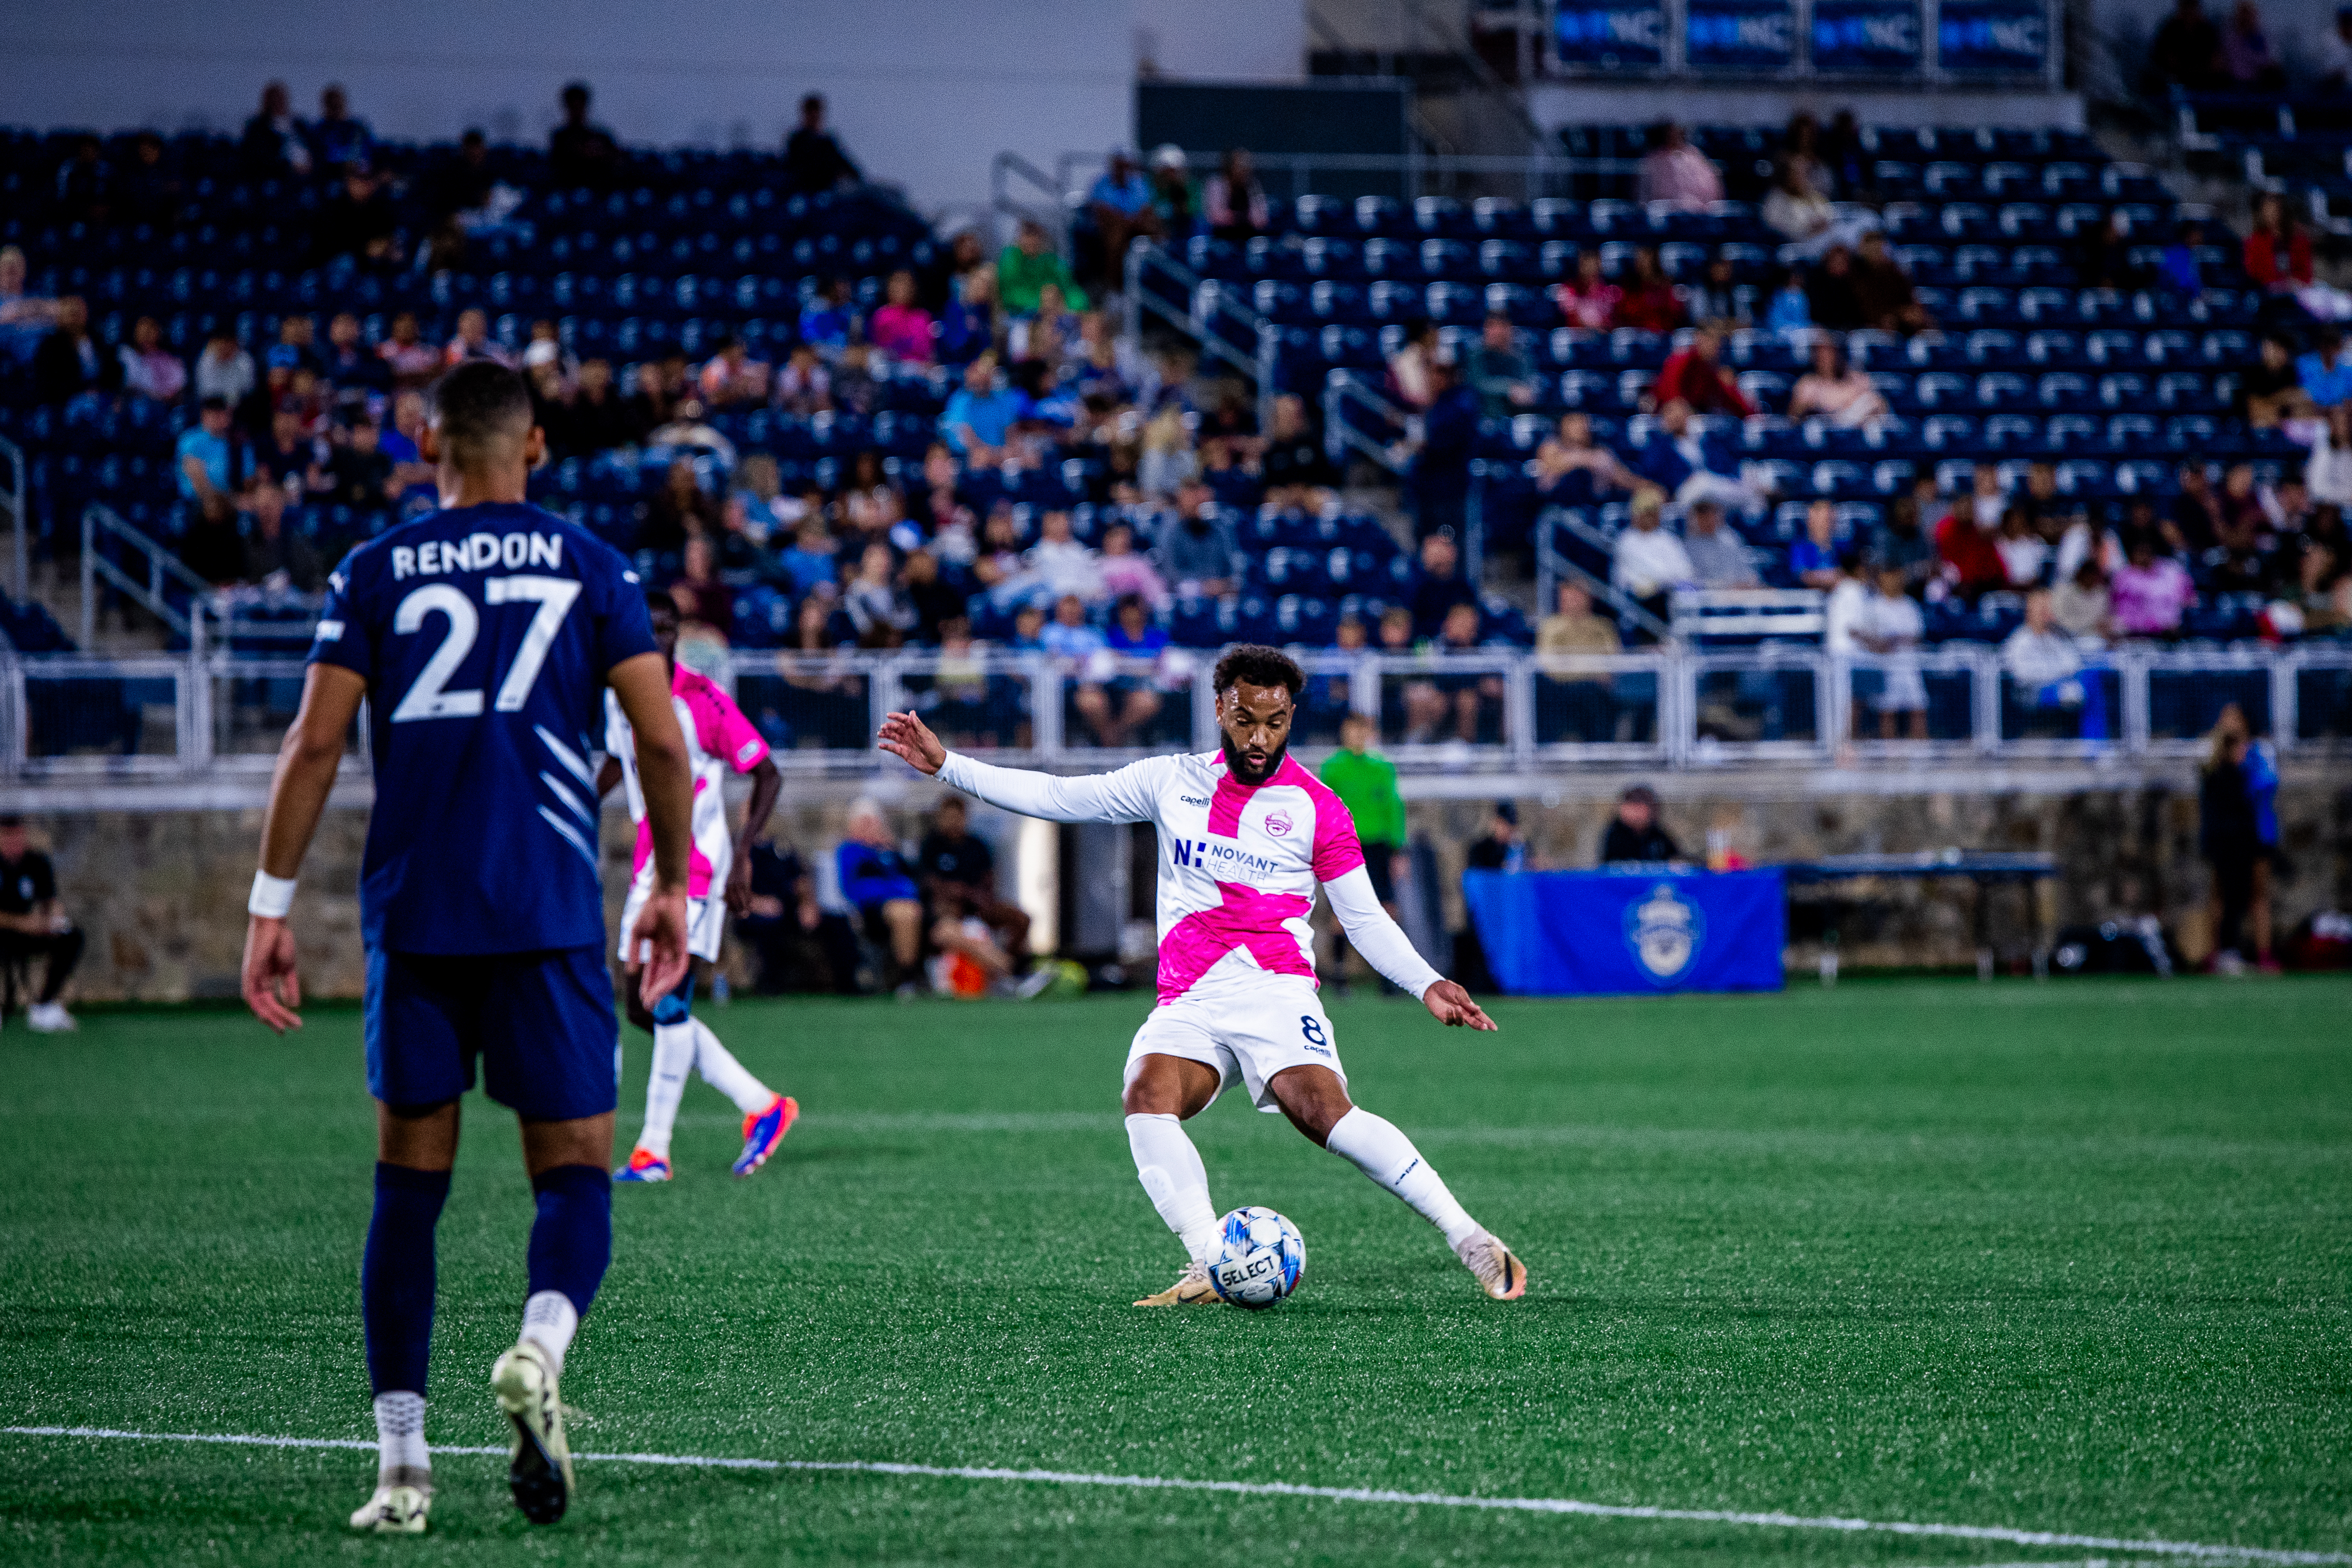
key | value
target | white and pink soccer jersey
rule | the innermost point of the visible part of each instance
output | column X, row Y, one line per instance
column 718, row 737
column 1239, row 864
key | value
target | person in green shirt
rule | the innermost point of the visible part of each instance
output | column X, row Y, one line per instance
column 1027, row 264
column 1366, row 784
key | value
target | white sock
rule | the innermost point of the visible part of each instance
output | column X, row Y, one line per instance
column 549, row 1322
column 1174, row 1179
column 673, row 1058
column 1376, row 1149
column 400, row 1436
column 723, row 1072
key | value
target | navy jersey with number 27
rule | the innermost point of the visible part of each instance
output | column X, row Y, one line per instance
column 485, row 635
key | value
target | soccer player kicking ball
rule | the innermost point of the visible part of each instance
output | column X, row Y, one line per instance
column 1245, row 836
column 718, row 736
column 483, row 637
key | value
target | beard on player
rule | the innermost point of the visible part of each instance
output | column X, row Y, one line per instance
column 1254, row 765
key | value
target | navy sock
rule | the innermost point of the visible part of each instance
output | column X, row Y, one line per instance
column 396, row 1277
column 572, row 1239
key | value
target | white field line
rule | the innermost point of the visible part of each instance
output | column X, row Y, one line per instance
column 2189, row 1550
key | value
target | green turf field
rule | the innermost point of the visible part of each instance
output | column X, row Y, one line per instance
column 2071, row 1258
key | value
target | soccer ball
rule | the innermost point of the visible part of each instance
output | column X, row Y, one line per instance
column 1258, row 1259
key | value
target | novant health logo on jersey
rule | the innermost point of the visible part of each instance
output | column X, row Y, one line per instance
column 1665, row 931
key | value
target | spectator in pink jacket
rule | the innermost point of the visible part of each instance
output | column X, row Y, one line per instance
column 902, row 329
column 2150, row 592
column 1677, row 173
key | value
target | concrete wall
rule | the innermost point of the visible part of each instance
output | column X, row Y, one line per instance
column 925, row 92
column 162, row 894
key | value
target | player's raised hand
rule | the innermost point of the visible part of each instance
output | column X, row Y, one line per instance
column 272, row 990
column 1450, row 1004
column 659, row 934
column 906, row 737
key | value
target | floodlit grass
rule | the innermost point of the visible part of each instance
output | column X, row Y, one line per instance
column 2069, row 1257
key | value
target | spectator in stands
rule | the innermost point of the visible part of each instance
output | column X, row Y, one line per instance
column 1789, row 315
column 473, row 340
column 209, row 460
column 1175, row 200
column 2271, row 391
column 358, row 471
column 2079, row 605
column 272, row 144
column 814, row 160
column 1441, row 586
column 288, row 453
column 1831, row 296
column 968, row 325
column 2103, row 255
column 2325, row 373
column 1027, row 264
column 1412, row 368
column 412, row 361
column 2046, row 665
column 1048, row 335
column 1293, row 461
column 2177, row 266
column 1675, row 173
column 2325, row 572
column 2328, row 473
column 1697, row 376
column 1836, row 391
column 2196, row 509
column 67, row 362
column 1649, row 562
column 1571, row 469
column 2024, row 554
column 148, row 189
column 2336, row 54
column 1893, row 627
column 1469, row 700
column 1196, row 546
column 1650, row 302
column 980, row 415
column 1233, row 200
column 2277, row 251
column 277, row 556
column 34, row 924
column 2247, row 63
column 595, row 417
column 85, row 186
column 958, row 875
column 1583, row 698
column 149, row 369
column 1684, row 462
column 679, row 510
column 24, row 318
column 579, row 152
column 1129, row 701
column 2151, row 593
column 876, row 604
column 1800, row 146
column 1883, row 290
column 1813, row 559
column 1899, row 543
column 1167, row 462
column 902, row 329
column 1717, row 300
column 1717, row 558
column 347, row 365
column 2186, row 51
column 829, row 319
column 1437, row 484
column 1588, row 302
column 1125, row 573
column 1119, row 202
column 877, row 883
column 357, row 221
column 1634, row 834
column 1500, row 373
column 1964, row 540
column 801, row 946
column 731, row 377
column 338, row 139
column 2237, row 832
column 1799, row 212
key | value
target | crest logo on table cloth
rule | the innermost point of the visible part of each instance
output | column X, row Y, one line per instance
column 1276, row 823
column 1665, row 931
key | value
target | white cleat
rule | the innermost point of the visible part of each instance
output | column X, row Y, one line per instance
column 540, row 1472
column 399, row 1505
column 1500, row 1275
column 50, row 1018
column 1191, row 1288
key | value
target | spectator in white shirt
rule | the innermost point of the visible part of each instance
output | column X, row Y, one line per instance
column 1841, row 617
column 2024, row 553
column 1717, row 558
column 1891, row 628
column 2046, row 665
column 2328, row 475
column 1650, row 562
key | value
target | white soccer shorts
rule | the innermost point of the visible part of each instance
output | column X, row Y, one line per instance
column 706, row 919
column 1248, row 1033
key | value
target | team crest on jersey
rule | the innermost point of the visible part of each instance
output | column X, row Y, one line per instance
column 1665, row 931
column 1276, row 823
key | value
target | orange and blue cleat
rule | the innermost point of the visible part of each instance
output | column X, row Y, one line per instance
column 644, row 1165
column 763, row 1130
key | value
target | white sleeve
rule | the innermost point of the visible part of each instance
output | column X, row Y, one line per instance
column 1372, row 933
column 1131, row 794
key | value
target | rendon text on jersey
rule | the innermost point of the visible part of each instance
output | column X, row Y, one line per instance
column 478, row 552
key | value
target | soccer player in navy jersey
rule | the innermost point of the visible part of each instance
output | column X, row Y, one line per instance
column 483, row 637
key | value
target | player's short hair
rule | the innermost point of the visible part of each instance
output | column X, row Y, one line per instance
column 1259, row 667
column 478, row 406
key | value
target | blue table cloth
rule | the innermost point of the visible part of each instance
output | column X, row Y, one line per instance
column 1630, row 929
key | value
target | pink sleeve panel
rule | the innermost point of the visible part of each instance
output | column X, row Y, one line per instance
column 1336, row 850
column 721, row 728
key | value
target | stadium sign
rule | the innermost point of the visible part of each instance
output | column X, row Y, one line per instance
column 1612, row 37
column 1873, row 36
column 1757, row 35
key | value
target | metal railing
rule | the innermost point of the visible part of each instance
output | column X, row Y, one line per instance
column 213, row 714
column 1206, row 311
column 1553, row 567
column 1413, row 174
column 12, row 496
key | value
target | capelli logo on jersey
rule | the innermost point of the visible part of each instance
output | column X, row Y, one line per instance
column 1189, row 800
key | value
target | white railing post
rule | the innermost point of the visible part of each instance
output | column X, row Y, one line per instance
column 1045, row 707
column 1834, row 699
column 1520, row 711
column 1678, row 706
column 1204, row 705
column 12, row 714
column 2286, row 669
column 1364, row 687
column 88, row 579
column 1986, row 671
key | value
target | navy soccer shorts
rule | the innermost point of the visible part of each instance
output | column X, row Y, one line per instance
column 541, row 1023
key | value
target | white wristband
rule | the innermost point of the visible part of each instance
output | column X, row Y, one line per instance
column 272, row 896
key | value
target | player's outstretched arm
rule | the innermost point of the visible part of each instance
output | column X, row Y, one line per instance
column 641, row 686
column 307, row 760
column 1130, row 794
column 1386, row 948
